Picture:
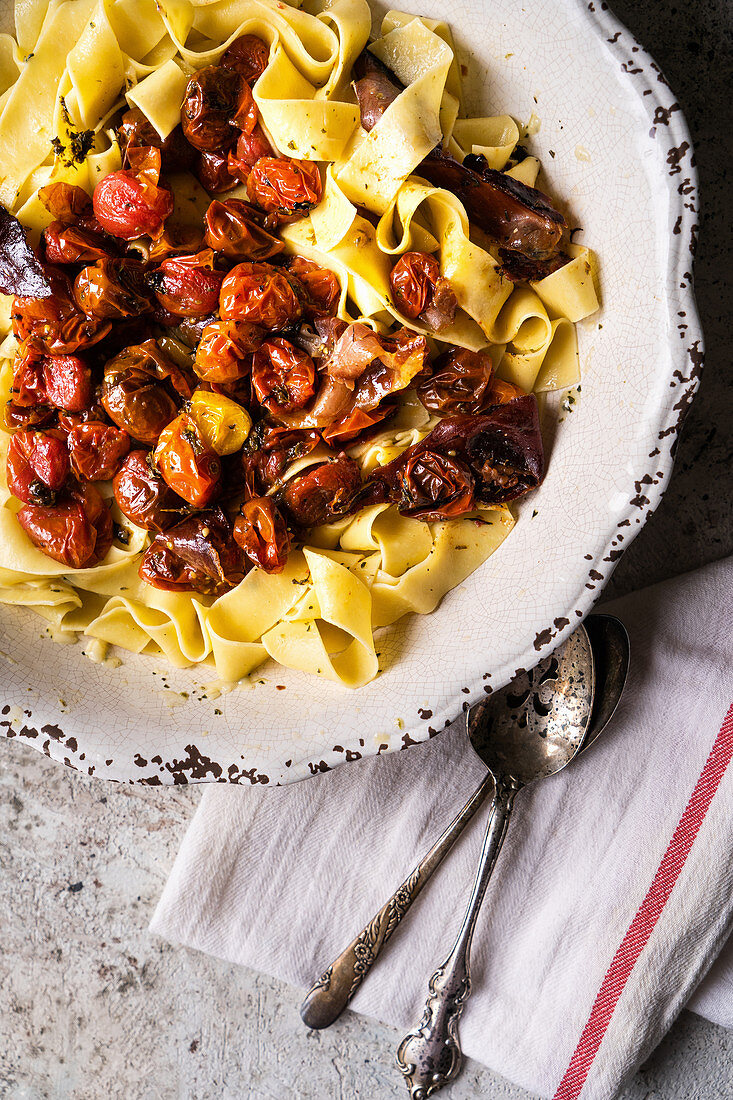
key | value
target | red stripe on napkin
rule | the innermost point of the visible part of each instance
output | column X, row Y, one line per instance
column 648, row 914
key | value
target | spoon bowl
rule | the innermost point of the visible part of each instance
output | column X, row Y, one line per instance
column 534, row 726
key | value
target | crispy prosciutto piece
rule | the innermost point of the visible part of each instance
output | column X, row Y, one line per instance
column 360, row 369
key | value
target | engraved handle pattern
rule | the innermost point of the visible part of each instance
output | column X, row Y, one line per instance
column 429, row 1056
column 331, row 993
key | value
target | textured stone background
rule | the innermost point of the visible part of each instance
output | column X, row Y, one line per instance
column 92, row 1006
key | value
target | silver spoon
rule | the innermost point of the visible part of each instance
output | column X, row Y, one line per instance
column 534, row 732
column 331, row 993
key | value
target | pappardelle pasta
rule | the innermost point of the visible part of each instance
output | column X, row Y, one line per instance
column 275, row 316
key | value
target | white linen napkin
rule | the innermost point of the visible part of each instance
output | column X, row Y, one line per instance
column 610, row 900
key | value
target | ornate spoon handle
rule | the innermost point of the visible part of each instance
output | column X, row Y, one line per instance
column 430, row 1056
column 329, row 996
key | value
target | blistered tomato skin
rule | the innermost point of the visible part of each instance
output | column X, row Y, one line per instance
column 143, row 496
column 289, row 188
column 250, row 148
column 135, row 131
column 322, row 493
column 270, row 450
column 261, row 294
column 142, row 391
column 56, row 325
column 247, row 55
column 435, row 487
column 321, row 285
column 37, row 467
column 222, row 423
column 186, row 464
column 29, row 387
column 283, row 376
column 199, row 554
column 261, row 532
column 76, row 244
column 68, row 382
column 128, row 207
column 212, row 172
column 225, row 350
column 75, row 531
column 97, row 450
column 113, row 290
column 217, row 105
column 188, row 286
column 232, row 228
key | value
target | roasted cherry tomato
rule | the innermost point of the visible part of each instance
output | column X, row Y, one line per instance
column 76, row 530
column 56, row 324
column 222, row 423
column 460, row 383
column 212, row 172
column 142, row 390
column 65, row 202
column 135, row 132
column 250, row 148
column 286, row 187
column 322, row 286
column 283, row 376
column 82, row 243
column 261, row 532
column 97, row 450
column 232, row 229
column 37, row 467
column 261, row 294
column 419, row 290
column 29, row 386
column 412, row 280
column 68, row 382
column 129, row 203
column 435, row 486
column 248, row 56
column 269, row 451
column 186, row 463
column 218, row 104
column 143, row 496
column 15, row 416
column 74, row 235
column 224, row 351
column 323, row 493
column 199, row 554
column 113, row 290
column 188, row 286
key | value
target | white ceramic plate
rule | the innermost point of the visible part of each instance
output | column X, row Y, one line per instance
column 623, row 163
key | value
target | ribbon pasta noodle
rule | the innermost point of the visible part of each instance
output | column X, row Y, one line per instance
column 74, row 66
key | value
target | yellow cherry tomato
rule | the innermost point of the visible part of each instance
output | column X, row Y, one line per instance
column 224, row 425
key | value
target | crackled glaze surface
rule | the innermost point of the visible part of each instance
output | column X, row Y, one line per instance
column 615, row 147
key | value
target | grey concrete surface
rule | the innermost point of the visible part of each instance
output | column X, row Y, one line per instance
column 93, row 1006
